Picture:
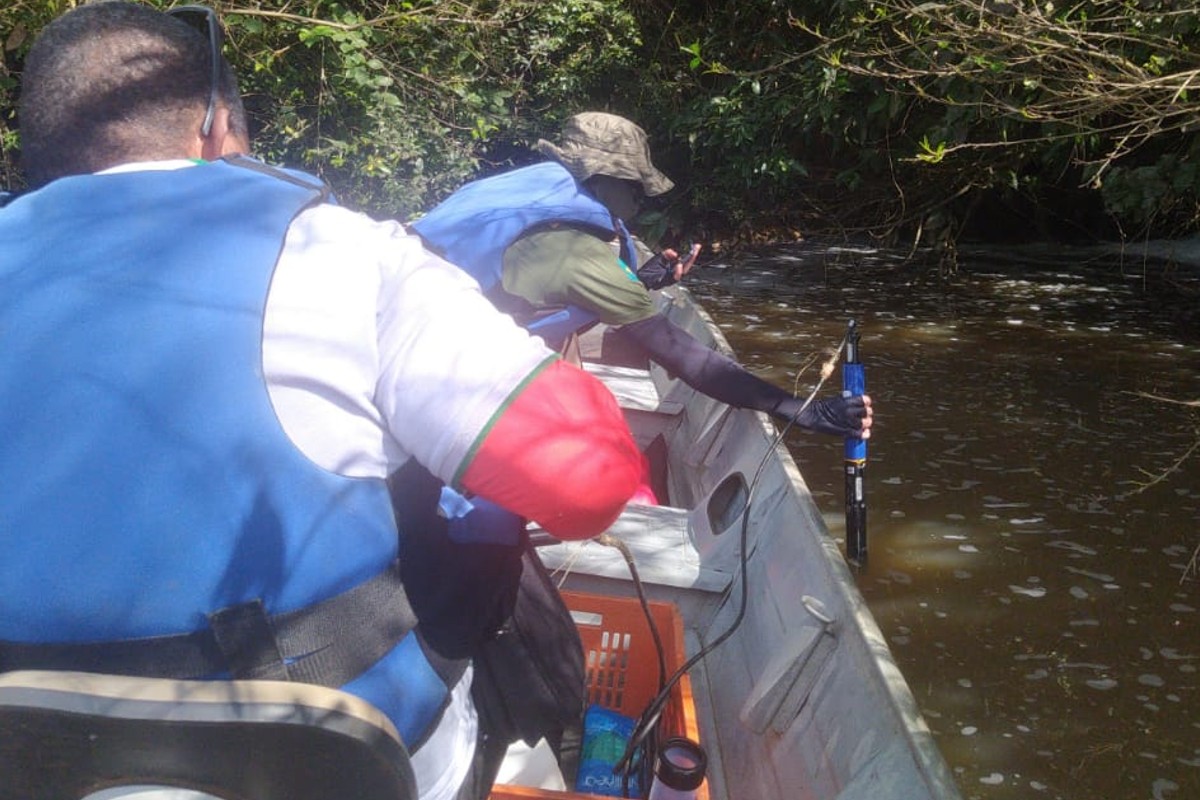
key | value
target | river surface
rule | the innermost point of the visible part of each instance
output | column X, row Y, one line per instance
column 1032, row 513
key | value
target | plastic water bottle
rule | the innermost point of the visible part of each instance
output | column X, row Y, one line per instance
column 678, row 770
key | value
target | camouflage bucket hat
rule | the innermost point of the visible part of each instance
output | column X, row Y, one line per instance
column 594, row 143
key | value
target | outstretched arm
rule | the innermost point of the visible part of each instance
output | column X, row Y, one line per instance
column 489, row 409
column 722, row 378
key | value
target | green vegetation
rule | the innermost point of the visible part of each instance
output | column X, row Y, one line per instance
column 917, row 123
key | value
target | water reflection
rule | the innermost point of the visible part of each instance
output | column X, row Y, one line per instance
column 1026, row 577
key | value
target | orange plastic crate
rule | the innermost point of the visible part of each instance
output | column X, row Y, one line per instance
column 622, row 671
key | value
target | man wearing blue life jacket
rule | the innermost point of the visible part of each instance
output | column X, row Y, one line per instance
column 552, row 237
column 210, row 372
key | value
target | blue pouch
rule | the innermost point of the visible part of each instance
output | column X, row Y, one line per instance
column 605, row 736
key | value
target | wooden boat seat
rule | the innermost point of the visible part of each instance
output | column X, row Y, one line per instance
column 74, row 735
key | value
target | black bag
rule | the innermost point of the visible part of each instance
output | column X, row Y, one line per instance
column 497, row 605
column 529, row 678
column 462, row 593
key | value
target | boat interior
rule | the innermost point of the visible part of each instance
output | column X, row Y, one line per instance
column 799, row 696
column 793, row 692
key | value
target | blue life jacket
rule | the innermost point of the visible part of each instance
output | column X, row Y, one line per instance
column 474, row 226
column 147, row 482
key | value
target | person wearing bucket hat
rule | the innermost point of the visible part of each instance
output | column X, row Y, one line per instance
column 549, row 244
column 595, row 143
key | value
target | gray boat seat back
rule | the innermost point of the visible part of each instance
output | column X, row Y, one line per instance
column 147, row 792
column 74, row 735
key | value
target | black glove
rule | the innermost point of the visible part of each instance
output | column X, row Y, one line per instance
column 839, row 416
column 657, row 272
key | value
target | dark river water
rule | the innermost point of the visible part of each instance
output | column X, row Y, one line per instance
column 1032, row 510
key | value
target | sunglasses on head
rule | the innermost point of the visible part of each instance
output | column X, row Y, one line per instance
column 204, row 19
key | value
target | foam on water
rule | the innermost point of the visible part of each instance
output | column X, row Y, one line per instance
column 1006, row 449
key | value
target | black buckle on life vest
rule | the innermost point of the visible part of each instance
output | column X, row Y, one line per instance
column 243, row 632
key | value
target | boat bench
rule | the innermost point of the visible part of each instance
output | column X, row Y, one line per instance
column 658, row 538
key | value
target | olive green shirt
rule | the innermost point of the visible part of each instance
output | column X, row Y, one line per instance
column 569, row 267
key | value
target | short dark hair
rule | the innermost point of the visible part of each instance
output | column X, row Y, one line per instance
column 112, row 82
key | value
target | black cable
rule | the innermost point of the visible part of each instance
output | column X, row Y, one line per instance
column 613, row 541
column 660, row 649
column 648, row 721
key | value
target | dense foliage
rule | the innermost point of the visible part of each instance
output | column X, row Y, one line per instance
column 920, row 122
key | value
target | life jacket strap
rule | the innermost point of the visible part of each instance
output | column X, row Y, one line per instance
column 329, row 643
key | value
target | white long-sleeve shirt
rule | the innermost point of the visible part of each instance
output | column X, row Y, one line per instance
column 376, row 351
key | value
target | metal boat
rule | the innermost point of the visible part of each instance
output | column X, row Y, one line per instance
column 801, row 697
column 793, row 692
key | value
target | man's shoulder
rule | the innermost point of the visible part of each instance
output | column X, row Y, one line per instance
column 552, row 243
column 328, row 221
column 569, row 265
